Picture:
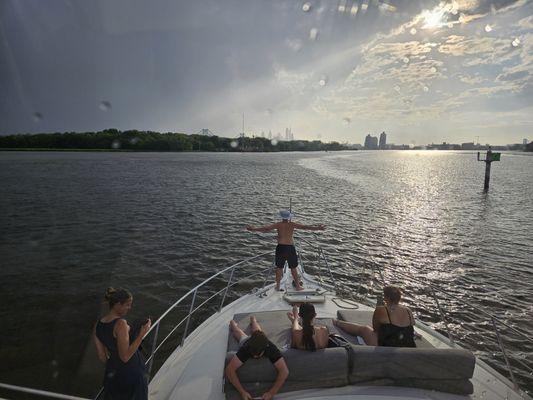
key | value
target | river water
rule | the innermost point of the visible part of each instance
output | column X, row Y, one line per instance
column 72, row 224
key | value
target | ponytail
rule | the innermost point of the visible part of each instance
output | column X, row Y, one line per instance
column 307, row 312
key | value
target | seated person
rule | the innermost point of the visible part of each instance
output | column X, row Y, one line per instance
column 307, row 336
column 392, row 323
column 255, row 346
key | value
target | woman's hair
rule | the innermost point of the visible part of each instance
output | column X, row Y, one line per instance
column 114, row 296
column 392, row 293
column 307, row 312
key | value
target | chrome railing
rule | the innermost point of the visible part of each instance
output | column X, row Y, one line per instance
column 192, row 309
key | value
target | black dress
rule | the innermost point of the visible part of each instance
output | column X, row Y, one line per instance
column 396, row 336
column 122, row 381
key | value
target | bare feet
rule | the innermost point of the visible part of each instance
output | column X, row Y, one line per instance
column 299, row 288
column 232, row 325
column 253, row 320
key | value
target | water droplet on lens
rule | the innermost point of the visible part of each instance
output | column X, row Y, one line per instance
column 116, row 144
column 425, row 88
column 450, row 25
column 269, row 112
column 413, row 31
column 313, row 34
column 274, row 142
column 134, row 140
column 323, row 81
column 346, row 121
column 55, row 374
column 54, row 363
column 234, row 144
column 37, row 117
column 488, row 28
column 433, row 70
column 105, row 105
column 516, row 42
column 405, row 60
column 397, row 88
column 306, row 7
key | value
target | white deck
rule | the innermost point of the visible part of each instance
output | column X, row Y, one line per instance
column 195, row 371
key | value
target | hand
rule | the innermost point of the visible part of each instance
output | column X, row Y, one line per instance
column 146, row 327
column 267, row 396
column 246, row 396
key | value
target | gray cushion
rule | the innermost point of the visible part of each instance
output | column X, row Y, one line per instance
column 446, row 370
column 275, row 324
column 322, row 368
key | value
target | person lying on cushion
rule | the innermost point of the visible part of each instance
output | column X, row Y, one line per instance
column 256, row 345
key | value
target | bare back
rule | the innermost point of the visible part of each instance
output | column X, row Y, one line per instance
column 320, row 337
column 285, row 231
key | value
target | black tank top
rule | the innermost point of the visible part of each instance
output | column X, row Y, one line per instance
column 396, row 336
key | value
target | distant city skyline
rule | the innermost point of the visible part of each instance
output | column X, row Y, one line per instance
column 424, row 71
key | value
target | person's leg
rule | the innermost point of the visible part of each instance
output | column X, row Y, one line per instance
column 279, row 262
column 237, row 332
column 296, row 278
column 366, row 332
column 279, row 274
column 254, row 325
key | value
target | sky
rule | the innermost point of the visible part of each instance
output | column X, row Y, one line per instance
column 422, row 71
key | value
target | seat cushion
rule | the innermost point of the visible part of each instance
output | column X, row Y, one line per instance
column 307, row 369
column 434, row 369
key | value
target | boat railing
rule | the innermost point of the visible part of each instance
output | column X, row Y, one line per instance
column 193, row 307
column 434, row 292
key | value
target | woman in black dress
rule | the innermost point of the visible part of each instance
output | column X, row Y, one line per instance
column 125, row 373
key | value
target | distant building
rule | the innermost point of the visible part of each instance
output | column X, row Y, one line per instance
column 383, row 141
column 468, row 146
column 371, row 142
column 524, row 142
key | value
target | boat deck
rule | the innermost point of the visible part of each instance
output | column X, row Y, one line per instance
column 196, row 370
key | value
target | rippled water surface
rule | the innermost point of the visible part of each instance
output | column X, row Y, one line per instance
column 159, row 223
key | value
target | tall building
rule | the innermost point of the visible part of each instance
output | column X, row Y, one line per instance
column 524, row 142
column 371, row 142
column 383, row 141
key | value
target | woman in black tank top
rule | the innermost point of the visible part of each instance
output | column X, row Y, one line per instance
column 383, row 331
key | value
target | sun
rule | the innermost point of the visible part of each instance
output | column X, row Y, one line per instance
column 433, row 19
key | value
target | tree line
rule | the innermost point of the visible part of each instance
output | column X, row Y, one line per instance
column 134, row 140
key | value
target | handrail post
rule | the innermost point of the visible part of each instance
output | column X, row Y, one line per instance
column 329, row 270
column 443, row 316
column 267, row 273
column 227, row 288
column 189, row 317
column 502, row 348
column 154, row 344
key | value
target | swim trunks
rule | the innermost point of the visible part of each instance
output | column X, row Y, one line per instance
column 286, row 252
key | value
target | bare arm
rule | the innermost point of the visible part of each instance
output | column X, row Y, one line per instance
column 125, row 349
column 309, row 227
column 283, row 373
column 376, row 318
column 231, row 374
column 295, row 327
column 101, row 350
column 266, row 228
